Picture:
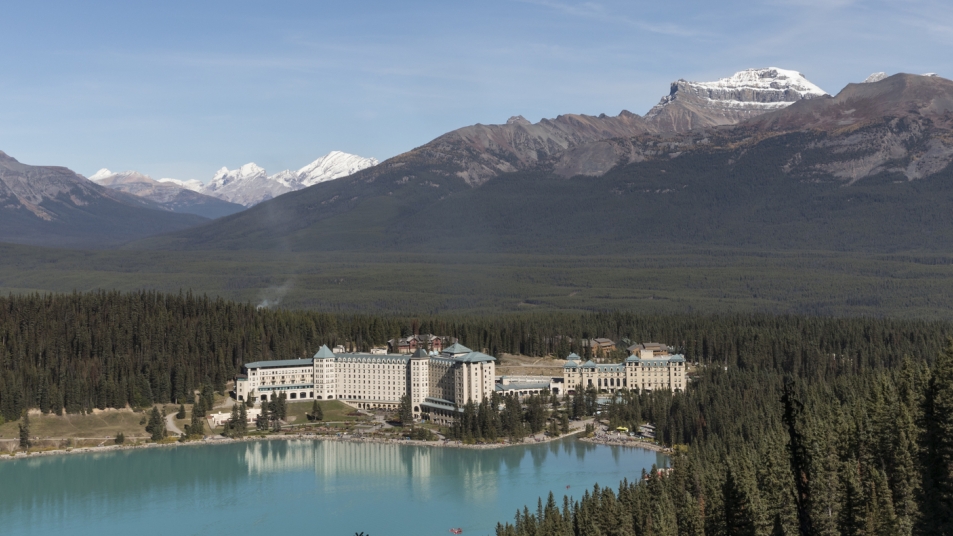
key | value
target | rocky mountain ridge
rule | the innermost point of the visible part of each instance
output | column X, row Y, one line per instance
column 250, row 184
column 169, row 194
column 477, row 153
column 53, row 206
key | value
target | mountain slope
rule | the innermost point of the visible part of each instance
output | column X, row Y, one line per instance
column 53, row 206
column 799, row 177
column 168, row 194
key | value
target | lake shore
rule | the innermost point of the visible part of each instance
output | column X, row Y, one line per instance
column 352, row 438
column 622, row 441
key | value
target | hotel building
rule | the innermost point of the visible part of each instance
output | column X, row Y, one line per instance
column 437, row 384
column 646, row 370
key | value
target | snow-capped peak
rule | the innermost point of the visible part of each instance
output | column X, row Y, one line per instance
column 333, row 165
column 771, row 79
column 250, row 184
column 740, row 96
column 101, row 174
column 875, row 77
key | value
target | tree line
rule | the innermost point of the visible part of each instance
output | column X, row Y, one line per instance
column 75, row 352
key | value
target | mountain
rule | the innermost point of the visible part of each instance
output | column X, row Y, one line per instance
column 251, row 184
column 479, row 152
column 741, row 96
column 53, row 206
column 865, row 170
column 169, row 194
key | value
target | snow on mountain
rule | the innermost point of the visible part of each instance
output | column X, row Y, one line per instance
column 192, row 184
column 100, row 175
column 728, row 101
column 767, row 89
column 333, row 165
column 875, row 77
column 250, row 184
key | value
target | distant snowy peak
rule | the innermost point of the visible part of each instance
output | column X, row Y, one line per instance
column 752, row 89
column 333, row 165
column 875, row 77
column 100, row 175
column 192, row 184
column 250, row 184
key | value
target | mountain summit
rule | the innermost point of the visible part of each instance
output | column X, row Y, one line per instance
column 251, row 184
column 727, row 101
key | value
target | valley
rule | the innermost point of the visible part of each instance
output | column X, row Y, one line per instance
column 653, row 280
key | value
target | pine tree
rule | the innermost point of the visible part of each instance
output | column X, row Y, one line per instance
column 156, row 426
column 405, row 414
column 739, row 518
column 317, row 414
column 181, row 413
column 799, row 458
column 24, row 426
column 937, row 447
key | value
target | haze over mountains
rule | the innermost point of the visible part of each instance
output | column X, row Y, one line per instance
column 762, row 158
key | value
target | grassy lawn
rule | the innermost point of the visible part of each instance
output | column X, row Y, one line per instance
column 106, row 424
column 333, row 411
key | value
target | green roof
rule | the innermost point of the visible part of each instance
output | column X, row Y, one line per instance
column 456, row 348
column 281, row 363
column 573, row 357
column 475, row 357
column 324, row 352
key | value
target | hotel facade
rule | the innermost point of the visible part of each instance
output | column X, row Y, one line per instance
column 645, row 371
column 437, row 384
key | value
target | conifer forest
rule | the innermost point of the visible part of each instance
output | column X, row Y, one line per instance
column 790, row 425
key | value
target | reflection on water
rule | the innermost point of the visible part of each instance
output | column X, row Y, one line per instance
column 279, row 479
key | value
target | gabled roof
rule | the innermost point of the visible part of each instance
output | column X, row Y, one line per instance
column 571, row 364
column 324, row 352
column 589, row 364
column 456, row 348
column 420, row 353
column 573, row 357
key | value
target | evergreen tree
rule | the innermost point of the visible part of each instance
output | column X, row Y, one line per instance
column 24, row 426
column 564, row 423
column 197, row 425
column 262, row 421
column 799, row 458
column 156, row 425
column 405, row 413
column 120, row 438
column 937, row 447
column 181, row 414
column 317, row 414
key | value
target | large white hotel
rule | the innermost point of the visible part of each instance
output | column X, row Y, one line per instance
column 437, row 384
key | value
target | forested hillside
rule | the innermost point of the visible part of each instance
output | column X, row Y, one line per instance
column 81, row 351
column 858, row 408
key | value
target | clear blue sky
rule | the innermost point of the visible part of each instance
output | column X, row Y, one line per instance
column 179, row 89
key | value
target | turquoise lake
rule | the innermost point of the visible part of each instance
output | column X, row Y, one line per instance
column 300, row 487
